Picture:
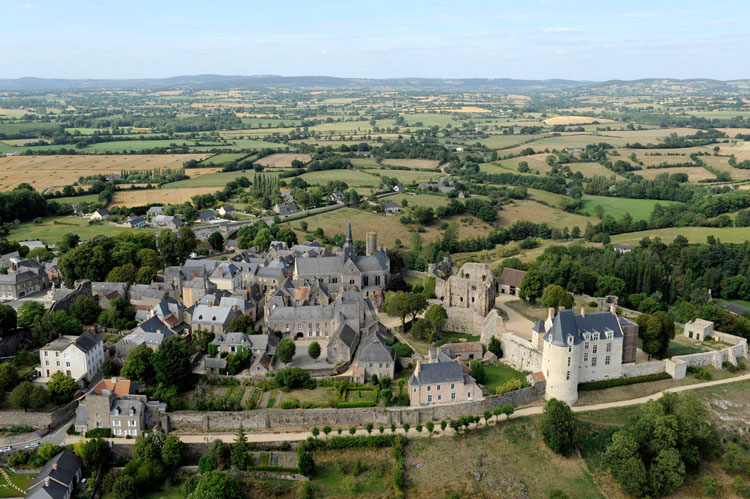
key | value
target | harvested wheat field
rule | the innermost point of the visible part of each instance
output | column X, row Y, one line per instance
column 574, row 120
column 43, row 172
column 428, row 164
column 197, row 172
column 165, row 196
column 282, row 160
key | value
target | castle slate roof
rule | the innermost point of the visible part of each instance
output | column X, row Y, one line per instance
column 438, row 372
column 539, row 326
column 566, row 324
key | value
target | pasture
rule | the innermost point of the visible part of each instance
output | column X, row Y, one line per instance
column 353, row 178
column 282, row 160
column 165, row 196
column 408, row 176
column 694, row 173
column 531, row 211
column 223, row 158
column 52, row 229
column 639, row 209
column 44, row 172
column 426, row 164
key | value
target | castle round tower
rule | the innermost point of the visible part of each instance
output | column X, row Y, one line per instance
column 560, row 361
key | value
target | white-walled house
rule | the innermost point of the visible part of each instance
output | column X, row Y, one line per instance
column 80, row 357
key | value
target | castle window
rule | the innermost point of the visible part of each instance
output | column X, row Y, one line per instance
column 570, row 349
column 609, row 347
column 596, row 336
column 606, row 360
column 586, row 346
column 585, row 356
column 594, row 348
column 568, row 361
column 567, row 375
column 593, row 361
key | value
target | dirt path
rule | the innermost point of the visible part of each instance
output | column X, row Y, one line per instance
column 516, row 323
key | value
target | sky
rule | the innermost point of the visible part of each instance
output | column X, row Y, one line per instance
column 531, row 39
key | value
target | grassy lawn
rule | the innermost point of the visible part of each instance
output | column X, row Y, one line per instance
column 684, row 346
column 353, row 178
column 427, row 200
column 21, row 481
column 52, row 229
column 335, row 473
column 438, row 467
column 88, row 198
column 456, row 337
column 321, row 395
column 499, row 374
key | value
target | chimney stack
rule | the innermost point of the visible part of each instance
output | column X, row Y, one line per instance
column 193, row 274
column 236, row 308
column 550, row 312
column 612, row 308
column 54, row 466
column 416, row 369
column 583, row 311
column 561, row 308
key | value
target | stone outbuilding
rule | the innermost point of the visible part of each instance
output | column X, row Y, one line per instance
column 698, row 329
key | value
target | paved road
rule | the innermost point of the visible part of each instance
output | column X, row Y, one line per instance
column 56, row 437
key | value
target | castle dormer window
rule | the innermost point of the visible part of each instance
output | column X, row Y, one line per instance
column 570, row 339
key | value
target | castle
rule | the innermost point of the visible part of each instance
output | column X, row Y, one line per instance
column 473, row 287
column 583, row 348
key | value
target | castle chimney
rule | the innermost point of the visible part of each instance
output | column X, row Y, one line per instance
column 221, row 271
column 193, row 274
column 583, row 311
column 612, row 308
column 236, row 308
column 561, row 308
column 54, row 466
column 550, row 312
column 416, row 369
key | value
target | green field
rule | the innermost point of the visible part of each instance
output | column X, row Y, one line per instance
column 353, row 178
column 210, row 180
column 52, row 229
column 427, row 200
column 408, row 176
column 20, row 481
column 223, row 158
column 88, row 198
column 502, row 141
column 639, row 209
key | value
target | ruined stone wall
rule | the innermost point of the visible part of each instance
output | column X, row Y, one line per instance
column 520, row 353
column 264, row 419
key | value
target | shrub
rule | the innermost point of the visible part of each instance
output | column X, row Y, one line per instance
column 509, row 386
column 729, row 367
column 700, row 372
column 709, row 486
column 98, row 433
column 609, row 383
column 290, row 404
column 402, row 350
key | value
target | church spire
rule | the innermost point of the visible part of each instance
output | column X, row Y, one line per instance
column 349, row 245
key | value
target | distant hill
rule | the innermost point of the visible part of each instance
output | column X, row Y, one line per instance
column 651, row 86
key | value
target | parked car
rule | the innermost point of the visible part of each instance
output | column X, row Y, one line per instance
column 31, row 446
column 6, row 449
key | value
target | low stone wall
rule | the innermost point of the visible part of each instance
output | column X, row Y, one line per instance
column 39, row 420
column 520, row 353
column 632, row 370
column 23, row 437
column 676, row 368
column 192, row 422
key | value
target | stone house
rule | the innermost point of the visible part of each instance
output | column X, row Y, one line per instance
column 468, row 351
column 227, row 209
column 214, row 319
column 24, row 277
column 100, row 214
column 376, row 358
column 231, row 343
column 341, row 346
column 80, row 357
column 441, row 383
column 510, row 280
column 698, row 329
column 151, row 333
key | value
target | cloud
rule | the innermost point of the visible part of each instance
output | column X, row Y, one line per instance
column 28, row 6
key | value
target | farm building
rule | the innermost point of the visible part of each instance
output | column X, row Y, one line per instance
column 100, row 214
column 510, row 281
column 698, row 329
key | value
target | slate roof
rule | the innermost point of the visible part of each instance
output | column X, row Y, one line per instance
column 215, row 363
column 153, row 325
column 84, row 342
column 375, row 351
column 233, row 339
column 126, row 407
column 155, row 210
column 346, row 334
column 207, row 216
column 567, row 324
column 511, row 277
column 212, row 315
column 438, row 372
column 539, row 326
column 61, row 469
